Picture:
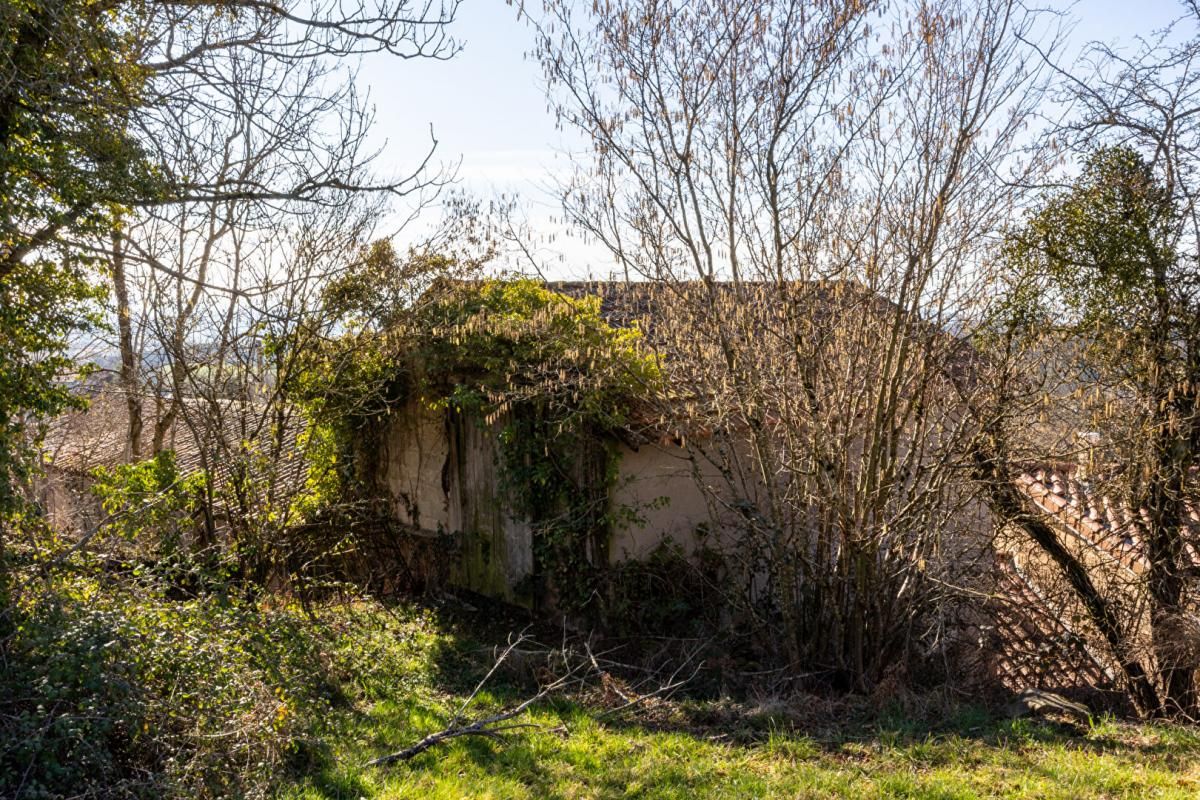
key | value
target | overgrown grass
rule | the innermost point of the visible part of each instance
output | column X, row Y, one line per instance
column 123, row 692
column 691, row 750
column 576, row 756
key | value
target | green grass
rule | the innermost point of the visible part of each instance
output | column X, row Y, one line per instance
column 110, row 688
column 415, row 670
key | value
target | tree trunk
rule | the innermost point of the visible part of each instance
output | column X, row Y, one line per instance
column 1166, row 505
column 129, row 376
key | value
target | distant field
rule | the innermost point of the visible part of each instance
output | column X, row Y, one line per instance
column 420, row 671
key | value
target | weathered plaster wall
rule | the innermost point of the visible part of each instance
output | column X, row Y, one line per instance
column 661, row 486
column 440, row 473
column 415, row 447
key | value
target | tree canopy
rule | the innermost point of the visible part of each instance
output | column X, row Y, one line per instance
column 68, row 164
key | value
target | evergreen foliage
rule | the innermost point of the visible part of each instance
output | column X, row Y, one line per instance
column 548, row 369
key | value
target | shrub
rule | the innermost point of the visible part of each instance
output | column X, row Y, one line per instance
column 112, row 690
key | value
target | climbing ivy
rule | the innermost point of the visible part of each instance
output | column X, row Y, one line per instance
column 559, row 379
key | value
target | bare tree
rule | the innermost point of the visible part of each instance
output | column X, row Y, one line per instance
column 267, row 190
column 813, row 188
column 256, row 119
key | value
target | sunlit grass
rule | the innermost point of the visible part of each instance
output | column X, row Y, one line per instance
column 574, row 753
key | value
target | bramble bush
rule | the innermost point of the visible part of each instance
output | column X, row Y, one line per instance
column 112, row 687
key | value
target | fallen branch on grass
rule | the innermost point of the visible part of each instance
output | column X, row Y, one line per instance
column 577, row 673
column 493, row 727
column 485, row 727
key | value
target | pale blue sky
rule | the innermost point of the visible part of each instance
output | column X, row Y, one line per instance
column 489, row 112
column 486, row 107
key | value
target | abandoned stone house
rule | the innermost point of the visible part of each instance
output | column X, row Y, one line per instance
column 439, row 474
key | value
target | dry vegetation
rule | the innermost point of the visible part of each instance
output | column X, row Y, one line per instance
column 879, row 297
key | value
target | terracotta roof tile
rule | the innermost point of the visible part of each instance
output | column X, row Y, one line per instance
column 79, row 442
column 1037, row 647
column 1095, row 519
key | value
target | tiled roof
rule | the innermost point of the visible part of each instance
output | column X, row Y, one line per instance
column 822, row 312
column 650, row 302
column 1110, row 527
column 1037, row 646
column 79, row 442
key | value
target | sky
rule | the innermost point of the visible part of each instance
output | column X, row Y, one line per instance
column 486, row 106
column 488, row 110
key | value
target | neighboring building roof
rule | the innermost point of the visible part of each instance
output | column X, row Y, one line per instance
column 1037, row 645
column 1108, row 526
column 80, row 441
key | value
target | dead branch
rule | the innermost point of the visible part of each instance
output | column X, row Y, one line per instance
column 577, row 672
column 493, row 726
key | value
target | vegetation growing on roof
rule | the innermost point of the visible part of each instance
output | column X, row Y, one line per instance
column 559, row 379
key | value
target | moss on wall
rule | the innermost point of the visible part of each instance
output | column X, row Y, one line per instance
column 544, row 373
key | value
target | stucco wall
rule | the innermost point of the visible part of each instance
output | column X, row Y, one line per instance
column 440, row 475
column 662, row 488
column 415, row 448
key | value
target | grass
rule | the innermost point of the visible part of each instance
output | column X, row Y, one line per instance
column 110, row 689
column 417, row 667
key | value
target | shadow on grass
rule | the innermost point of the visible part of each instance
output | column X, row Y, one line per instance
column 861, row 730
column 397, row 674
column 848, row 721
column 459, row 647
